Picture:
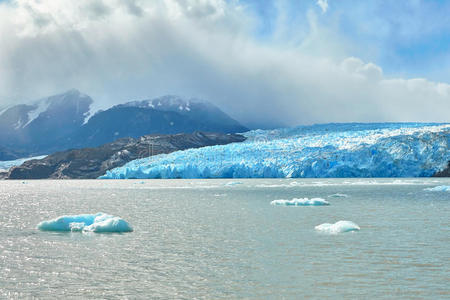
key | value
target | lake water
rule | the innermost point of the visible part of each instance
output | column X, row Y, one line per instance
column 222, row 239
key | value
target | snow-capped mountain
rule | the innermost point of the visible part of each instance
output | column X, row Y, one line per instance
column 206, row 114
column 39, row 125
column 165, row 115
column 63, row 121
column 166, row 103
column 331, row 150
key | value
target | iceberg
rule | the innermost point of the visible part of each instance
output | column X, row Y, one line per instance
column 338, row 227
column 338, row 196
column 300, row 202
column 232, row 183
column 440, row 188
column 98, row 222
column 317, row 151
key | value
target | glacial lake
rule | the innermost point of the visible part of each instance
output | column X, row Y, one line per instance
column 222, row 239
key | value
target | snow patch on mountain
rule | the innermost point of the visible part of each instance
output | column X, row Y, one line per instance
column 167, row 103
column 39, row 107
column 4, row 109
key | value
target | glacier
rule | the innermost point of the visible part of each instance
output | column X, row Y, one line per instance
column 338, row 227
column 301, row 202
column 99, row 222
column 5, row 165
column 316, row 151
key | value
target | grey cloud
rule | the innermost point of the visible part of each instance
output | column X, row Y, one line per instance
column 209, row 54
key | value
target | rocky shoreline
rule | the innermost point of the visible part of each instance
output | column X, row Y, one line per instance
column 443, row 173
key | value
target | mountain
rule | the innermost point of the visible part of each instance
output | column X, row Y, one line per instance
column 62, row 122
column 165, row 115
column 93, row 162
column 204, row 113
column 8, row 154
column 39, row 127
column 329, row 150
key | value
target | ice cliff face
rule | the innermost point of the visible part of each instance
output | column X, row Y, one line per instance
column 331, row 150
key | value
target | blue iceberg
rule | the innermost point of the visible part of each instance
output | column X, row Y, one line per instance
column 318, row 151
column 301, row 202
column 440, row 188
column 338, row 195
column 338, row 227
column 99, row 222
column 232, row 183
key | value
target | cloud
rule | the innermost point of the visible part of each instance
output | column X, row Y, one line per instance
column 323, row 4
column 370, row 71
column 119, row 51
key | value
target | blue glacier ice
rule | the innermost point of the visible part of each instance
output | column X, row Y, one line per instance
column 301, row 202
column 338, row 227
column 440, row 188
column 330, row 150
column 98, row 222
column 232, row 183
column 7, row 164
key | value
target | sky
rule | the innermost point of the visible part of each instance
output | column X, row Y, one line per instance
column 266, row 63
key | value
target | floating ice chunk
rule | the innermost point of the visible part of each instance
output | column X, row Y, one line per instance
column 99, row 222
column 114, row 224
column 440, row 188
column 301, row 202
column 231, row 183
column 76, row 226
column 65, row 223
column 338, row 227
column 338, row 196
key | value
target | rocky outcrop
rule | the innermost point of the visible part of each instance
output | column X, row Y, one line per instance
column 91, row 163
column 443, row 173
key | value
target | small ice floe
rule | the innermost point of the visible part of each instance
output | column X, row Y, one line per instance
column 301, row 202
column 338, row 227
column 99, row 222
column 231, row 183
column 440, row 188
column 338, row 196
